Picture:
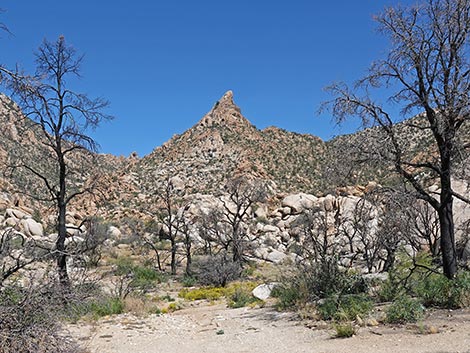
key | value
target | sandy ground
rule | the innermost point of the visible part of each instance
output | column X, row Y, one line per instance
column 214, row 328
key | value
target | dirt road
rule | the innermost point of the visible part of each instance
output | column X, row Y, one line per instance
column 217, row 329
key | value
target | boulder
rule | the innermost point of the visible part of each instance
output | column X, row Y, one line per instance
column 15, row 213
column 299, row 202
column 10, row 222
column 267, row 228
column 261, row 211
column 263, row 291
column 73, row 241
column 31, row 228
column 329, row 203
column 276, row 256
column 72, row 230
column 114, row 232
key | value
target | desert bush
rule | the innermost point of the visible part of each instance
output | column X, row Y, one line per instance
column 132, row 278
column 188, row 281
column 344, row 308
column 216, row 270
column 106, row 306
column 287, row 295
column 407, row 274
column 312, row 282
column 238, row 294
column 209, row 293
column 30, row 320
column 403, row 310
column 439, row 291
column 344, row 330
column 416, row 276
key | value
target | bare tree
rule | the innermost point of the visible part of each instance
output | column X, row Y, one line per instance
column 188, row 244
column 62, row 118
column 426, row 71
column 172, row 216
column 242, row 195
column 319, row 239
column 17, row 252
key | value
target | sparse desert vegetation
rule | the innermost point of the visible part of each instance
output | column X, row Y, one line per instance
column 230, row 236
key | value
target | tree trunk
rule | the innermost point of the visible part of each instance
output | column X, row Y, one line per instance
column 189, row 261
column 60, row 245
column 445, row 211
column 449, row 253
column 173, row 256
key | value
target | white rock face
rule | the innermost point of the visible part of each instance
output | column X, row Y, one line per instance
column 10, row 222
column 276, row 256
column 31, row 228
column 263, row 291
column 114, row 232
column 15, row 213
column 329, row 203
column 270, row 229
column 177, row 183
column 261, row 211
column 299, row 202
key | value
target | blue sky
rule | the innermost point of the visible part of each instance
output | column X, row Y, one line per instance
column 163, row 64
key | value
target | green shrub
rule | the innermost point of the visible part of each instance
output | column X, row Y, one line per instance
column 189, row 281
column 107, row 306
column 439, row 291
column 239, row 294
column 328, row 308
column 141, row 278
column 390, row 289
column 403, row 310
column 345, row 307
column 406, row 276
column 167, row 298
column 287, row 296
column 312, row 282
column 344, row 330
column 209, row 293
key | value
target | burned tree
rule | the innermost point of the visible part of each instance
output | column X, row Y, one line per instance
column 242, row 195
column 171, row 214
column 60, row 119
column 427, row 72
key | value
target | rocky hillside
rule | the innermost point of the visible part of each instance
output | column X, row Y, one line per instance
column 302, row 174
column 224, row 144
column 23, row 143
column 220, row 147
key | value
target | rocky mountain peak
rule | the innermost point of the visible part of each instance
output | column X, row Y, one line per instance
column 227, row 98
column 225, row 113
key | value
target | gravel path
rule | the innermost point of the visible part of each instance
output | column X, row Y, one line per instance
column 217, row 329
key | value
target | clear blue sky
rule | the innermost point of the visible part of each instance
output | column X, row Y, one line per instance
column 163, row 64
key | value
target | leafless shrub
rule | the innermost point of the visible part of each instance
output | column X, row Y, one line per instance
column 17, row 252
column 217, row 270
column 30, row 320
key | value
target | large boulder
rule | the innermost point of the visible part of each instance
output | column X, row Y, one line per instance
column 114, row 232
column 299, row 202
column 276, row 256
column 261, row 211
column 31, row 228
column 263, row 291
column 15, row 213
column 329, row 203
column 10, row 222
